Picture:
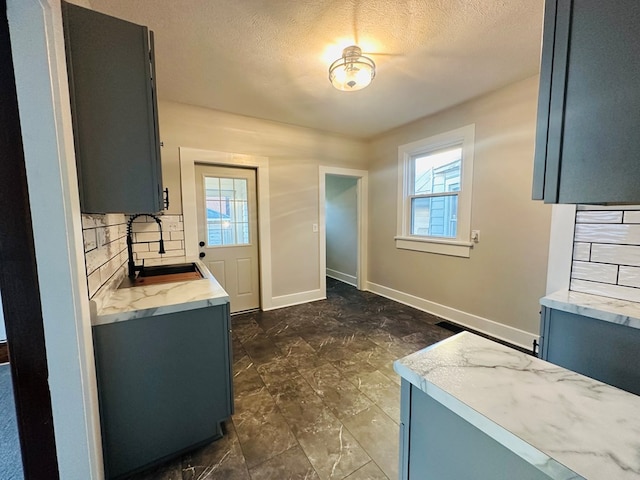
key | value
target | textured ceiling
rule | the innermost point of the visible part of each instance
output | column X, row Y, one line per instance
column 269, row 58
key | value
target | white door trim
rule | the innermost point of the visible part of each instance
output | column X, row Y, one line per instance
column 363, row 195
column 188, row 158
column 37, row 44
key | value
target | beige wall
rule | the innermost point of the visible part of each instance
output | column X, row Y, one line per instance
column 505, row 276
column 294, row 156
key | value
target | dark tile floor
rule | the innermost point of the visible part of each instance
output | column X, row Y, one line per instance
column 316, row 396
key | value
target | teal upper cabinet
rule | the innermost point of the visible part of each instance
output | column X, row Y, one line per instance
column 113, row 105
column 587, row 143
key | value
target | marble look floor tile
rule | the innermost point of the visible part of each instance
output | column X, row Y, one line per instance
column 369, row 472
column 354, row 367
column 298, row 403
column 262, row 430
column 383, row 392
column 261, row 349
column 222, row 459
column 300, row 354
column 245, row 377
column 276, row 371
column 342, row 397
column 290, row 465
column 379, row 436
column 246, row 332
column 331, row 449
column 237, row 350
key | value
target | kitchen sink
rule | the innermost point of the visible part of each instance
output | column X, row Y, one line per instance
column 168, row 269
column 155, row 275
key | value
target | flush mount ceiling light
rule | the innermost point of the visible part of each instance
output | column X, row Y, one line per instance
column 353, row 71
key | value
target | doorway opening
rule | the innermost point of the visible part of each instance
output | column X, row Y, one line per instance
column 343, row 226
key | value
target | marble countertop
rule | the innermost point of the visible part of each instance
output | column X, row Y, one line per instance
column 612, row 310
column 567, row 425
column 121, row 304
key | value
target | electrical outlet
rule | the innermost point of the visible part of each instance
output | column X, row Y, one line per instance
column 314, row 227
column 475, row 236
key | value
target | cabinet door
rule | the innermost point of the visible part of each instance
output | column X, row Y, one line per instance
column 601, row 350
column 587, row 144
column 114, row 112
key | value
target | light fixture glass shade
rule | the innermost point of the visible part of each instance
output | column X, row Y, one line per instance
column 353, row 71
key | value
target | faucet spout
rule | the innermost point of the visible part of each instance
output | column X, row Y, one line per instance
column 132, row 267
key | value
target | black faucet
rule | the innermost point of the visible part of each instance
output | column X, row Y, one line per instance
column 132, row 266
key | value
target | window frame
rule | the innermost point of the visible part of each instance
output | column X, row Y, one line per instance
column 461, row 245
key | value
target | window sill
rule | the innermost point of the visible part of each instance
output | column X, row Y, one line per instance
column 454, row 248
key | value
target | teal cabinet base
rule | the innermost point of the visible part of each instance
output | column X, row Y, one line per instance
column 435, row 443
column 164, row 385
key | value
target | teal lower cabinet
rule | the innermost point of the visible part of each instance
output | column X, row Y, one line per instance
column 437, row 444
column 164, row 385
column 605, row 351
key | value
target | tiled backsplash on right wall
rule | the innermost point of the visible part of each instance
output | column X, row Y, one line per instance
column 606, row 252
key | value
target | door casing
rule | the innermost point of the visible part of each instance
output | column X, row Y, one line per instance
column 362, row 177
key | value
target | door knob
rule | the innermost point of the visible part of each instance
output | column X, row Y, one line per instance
column 201, row 244
column 202, row 254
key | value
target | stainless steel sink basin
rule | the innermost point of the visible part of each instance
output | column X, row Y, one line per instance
column 180, row 272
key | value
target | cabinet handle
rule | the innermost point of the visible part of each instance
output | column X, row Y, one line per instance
column 201, row 254
column 166, row 198
column 201, row 244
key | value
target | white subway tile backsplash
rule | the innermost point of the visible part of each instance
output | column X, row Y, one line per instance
column 618, row 254
column 581, row 251
column 171, row 218
column 632, row 216
column 173, row 245
column 601, row 216
column 101, row 236
column 173, row 253
column 612, row 291
column 114, row 218
column 106, row 234
column 89, row 237
column 172, row 226
column 106, row 250
column 146, row 236
column 595, row 272
column 624, row 234
column 94, row 282
column 629, row 276
column 606, row 252
column 144, row 227
column 140, row 247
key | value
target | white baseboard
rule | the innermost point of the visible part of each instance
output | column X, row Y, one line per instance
column 509, row 334
column 342, row 277
column 295, row 299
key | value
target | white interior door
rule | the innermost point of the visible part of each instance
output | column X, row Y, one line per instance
column 228, row 231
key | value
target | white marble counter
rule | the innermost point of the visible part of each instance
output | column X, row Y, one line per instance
column 567, row 425
column 612, row 310
column 117, row 305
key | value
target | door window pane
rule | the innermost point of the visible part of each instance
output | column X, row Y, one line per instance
column 435, row 216
column 227, row 210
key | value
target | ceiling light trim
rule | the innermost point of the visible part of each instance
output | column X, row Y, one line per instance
column 353, row 71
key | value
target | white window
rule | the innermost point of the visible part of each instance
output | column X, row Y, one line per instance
column 435, row 176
